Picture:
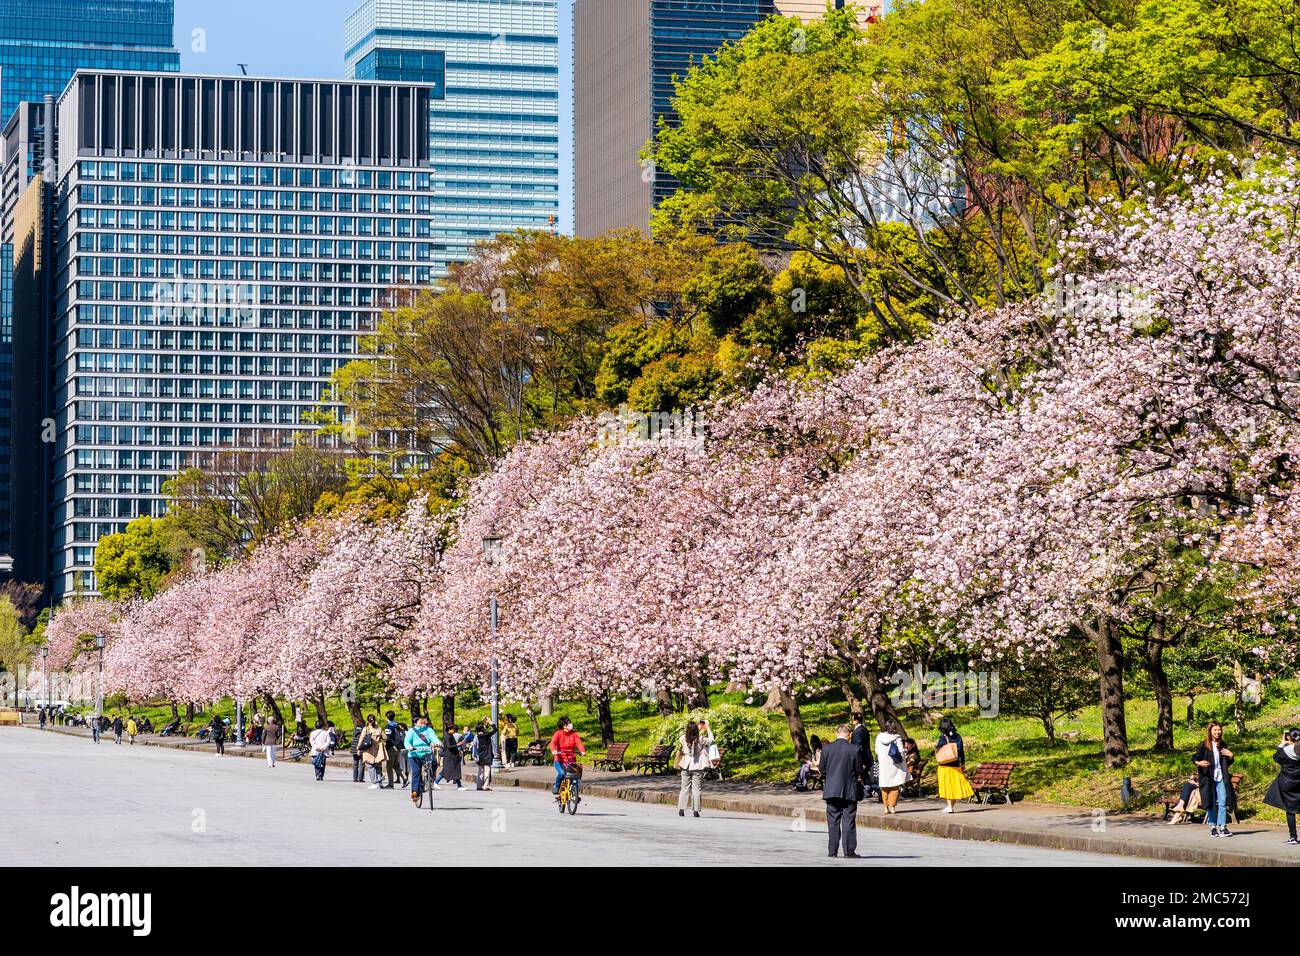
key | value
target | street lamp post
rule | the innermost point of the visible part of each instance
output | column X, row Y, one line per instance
column 45, row 675
column 99, row 679
column 491, row 551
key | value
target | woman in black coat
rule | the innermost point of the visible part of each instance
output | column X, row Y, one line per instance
column 450, row 769
column 1284, row 792
column 1215, row 776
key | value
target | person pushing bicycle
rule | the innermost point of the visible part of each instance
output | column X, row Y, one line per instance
column 420, row 742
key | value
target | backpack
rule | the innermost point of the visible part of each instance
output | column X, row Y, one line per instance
column 393, row 736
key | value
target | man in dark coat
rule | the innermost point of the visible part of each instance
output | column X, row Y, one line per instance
column 841, row 767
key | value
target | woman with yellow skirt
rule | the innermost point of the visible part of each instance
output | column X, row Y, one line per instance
column 953, row 785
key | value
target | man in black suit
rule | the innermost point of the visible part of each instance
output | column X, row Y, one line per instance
column 841, row 767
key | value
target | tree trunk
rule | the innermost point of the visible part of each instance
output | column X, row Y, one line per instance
column 664, row 701
column 877, row 699
column 1110, row 665
column 354, row 710
column 273, row 706
column 1049, row 726
column 532, row 716
column 546, row 705
column 606, row 718
column 855, row 705
column 1191, row 711
column 448, row 710
column 1238, row 699
column 175, row 714
column 321, row 713
column 773, row 702
column 1155, row 669
column 794, row 720
column 189, row 711
column 697, row 697
column 413, row 705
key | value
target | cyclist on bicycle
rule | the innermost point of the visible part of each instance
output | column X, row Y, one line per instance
column 420, row 742
column 565, row 746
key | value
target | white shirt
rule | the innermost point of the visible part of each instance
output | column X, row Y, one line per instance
column 1218, row 766
column 320, row 741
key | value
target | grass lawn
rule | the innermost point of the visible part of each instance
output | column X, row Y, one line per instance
column 1071, row 772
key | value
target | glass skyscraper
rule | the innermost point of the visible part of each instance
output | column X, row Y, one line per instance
column 223, row 246
column 494, row 139
column 42, row 43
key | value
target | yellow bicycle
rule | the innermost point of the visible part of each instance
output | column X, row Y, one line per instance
column 570, row 788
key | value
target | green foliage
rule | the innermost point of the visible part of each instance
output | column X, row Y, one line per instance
column 738, row 730
column 673, row 383
column 137, row 562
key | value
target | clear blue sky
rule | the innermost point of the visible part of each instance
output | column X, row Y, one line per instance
column 305, row 38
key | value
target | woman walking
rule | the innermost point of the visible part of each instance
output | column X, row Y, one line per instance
column 218, row 735
column 483, row 749
column 950, row 755
column 132, row 728
column 892, row 761
column 373, row 753
column 1284, row 791
column 1213, row 762
column 449, row 770
column 320, row 745
column 697, row 756
column 271, row 739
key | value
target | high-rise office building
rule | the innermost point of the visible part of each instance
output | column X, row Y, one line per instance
column 494, row 138
column 626, row 54
column 220, row 246
column 42, row 43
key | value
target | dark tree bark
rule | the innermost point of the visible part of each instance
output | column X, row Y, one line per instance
column 274, row 707
column 794, row 719
column 354, row 710
column 697, row 697
column 532, row 716
column 448, row 710
column 606, row 718
column 1154, row 666
column 873, row 686
column 413, row 705
column 189, row 711
column 855, row 705
column 1104, row 636
column 664, row 701
column 318, row 699
column 174, row 711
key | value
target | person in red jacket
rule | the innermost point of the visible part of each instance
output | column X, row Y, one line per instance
column 565, row 746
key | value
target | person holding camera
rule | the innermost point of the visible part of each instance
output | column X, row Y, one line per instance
column 1284, row 791
column 697, row 756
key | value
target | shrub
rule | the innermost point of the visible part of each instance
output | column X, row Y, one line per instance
column 739, row 730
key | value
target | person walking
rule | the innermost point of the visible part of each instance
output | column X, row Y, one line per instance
column 117, row 729
column 320, row 747
column 483, row 748
column 217, row 734
column 1213, row 762
column 354, row 748
column 40, row 716
column 950, row 755
column 1284, row 791
column 452, row 758
column 841, row 767
column 132, row 728
column 396, row 756
column 96, row 727
column 696, row 757
column 373, row 753
column 420, row 744
column 271, row 734
column 892, row 761
column 510, row 741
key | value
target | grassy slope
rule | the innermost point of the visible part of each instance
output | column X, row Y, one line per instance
column 1071, row 772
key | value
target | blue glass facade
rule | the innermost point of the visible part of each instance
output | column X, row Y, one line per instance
column 42, row 44
column 494, row 138
column 201, row 301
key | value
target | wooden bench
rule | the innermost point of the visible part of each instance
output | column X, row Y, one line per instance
column 534, row 753
column 992, row 780
column 1170, row 800
column 614, row 758
column 658, row 760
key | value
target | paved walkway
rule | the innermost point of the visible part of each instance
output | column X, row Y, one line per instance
column 69, row 803
column 1141, row 835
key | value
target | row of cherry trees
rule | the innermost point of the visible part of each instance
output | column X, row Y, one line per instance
column 1069, row 466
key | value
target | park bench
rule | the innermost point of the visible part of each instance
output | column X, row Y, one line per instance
column 1170, row 800
column 614, row 758
column 656, row 761
column 534, row 753
column 913, row 786
column 992, row 780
